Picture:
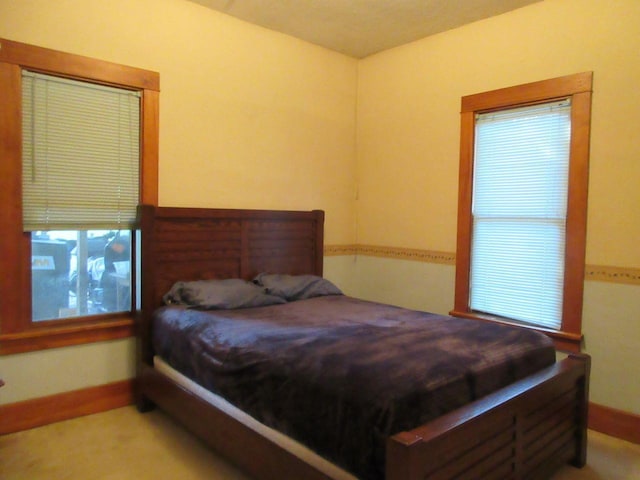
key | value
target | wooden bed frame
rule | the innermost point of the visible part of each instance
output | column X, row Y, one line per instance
column 526, row 430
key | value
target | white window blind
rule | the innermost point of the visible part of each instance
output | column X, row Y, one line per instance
column 519, row 210
column 81, row 154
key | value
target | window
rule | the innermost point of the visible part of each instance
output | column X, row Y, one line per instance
column 80, row 140
column 522, row 206
column 80, row 170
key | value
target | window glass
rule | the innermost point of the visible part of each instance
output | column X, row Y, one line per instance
column 80, row 273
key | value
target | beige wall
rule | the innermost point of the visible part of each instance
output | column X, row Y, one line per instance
column 408, row 147
column 408, row 119
column 251, row 118
column 248, row 119
column 47, row 372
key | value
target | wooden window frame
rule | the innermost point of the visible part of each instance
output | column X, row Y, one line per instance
column 578, row 87
column 17, row 332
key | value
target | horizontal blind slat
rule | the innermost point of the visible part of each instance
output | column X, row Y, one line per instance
column 81, row 154
column 519, row 213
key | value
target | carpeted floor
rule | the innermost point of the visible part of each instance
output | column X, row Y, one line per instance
column 123, row 444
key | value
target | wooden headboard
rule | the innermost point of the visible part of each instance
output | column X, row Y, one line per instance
column 200, row 243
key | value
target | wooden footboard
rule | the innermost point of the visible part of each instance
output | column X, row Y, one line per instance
column 525, row 431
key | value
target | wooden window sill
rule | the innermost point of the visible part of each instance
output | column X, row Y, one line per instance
column 65, row 335
column 565, row 341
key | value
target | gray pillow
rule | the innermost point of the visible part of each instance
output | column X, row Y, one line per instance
column 229, row 293
column 296, row 287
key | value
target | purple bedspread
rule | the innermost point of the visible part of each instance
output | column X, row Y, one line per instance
column 340, row 374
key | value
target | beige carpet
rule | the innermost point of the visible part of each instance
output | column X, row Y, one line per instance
column 123, row 444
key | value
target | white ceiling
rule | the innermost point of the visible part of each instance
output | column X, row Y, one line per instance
column 359, row 28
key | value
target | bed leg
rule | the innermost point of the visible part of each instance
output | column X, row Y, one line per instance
column 143, row 403
column 580, row 459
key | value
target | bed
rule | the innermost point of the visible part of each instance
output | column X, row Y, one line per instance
column 526, row 429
